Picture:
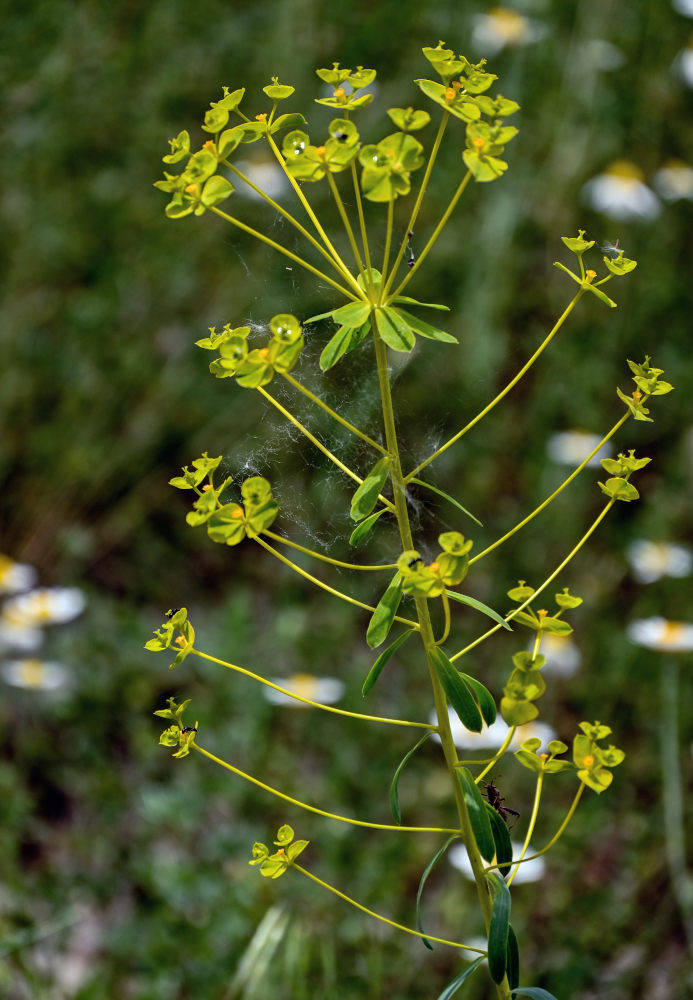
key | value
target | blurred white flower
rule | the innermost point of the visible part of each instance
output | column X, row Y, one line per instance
column 562, row 655
column 502, row 27
column 601, row 55
column 683, row 63
column 674, row 180
column 265, row 174
column 684, row 7
column 621, row 193
column 662, row 635
column 572, row 447
column 40, row 675
column 44, row 606
column 528, row 871
column 493, row 737
column 325, row 690
column 652, row 560
column 15, row 576
column 18, row 636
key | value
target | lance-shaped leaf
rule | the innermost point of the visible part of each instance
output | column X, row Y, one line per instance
column 446, row 496
column 498, row 928
column 353, row 314
column 366, row 496
column 384, row 614
column 394, row 796
column 427, row 871
column 478, row 815
column 363, row 529
column 483, row 697
column 425, row 329
column 478, row 606
column 501, row 838
column 424, row 305
column 346, row 339
column 533, row 992
column 387, row 654
column 456, row 691
column 452, row 988
column 393, row 330
column 512, row 970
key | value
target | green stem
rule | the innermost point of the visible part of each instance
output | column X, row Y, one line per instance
column 324, row 586
column 314, row 809
column 436, row 233
column 446, row 621
column 385, row 920
column 559, row 833
column 419, row 199
column 494, row 760
column 287, row 253
column 388, row 238
column 674, row 831
column 345, row 423
column 544, row 585
column 362, row 222
column 532, row 823
column 314, row 219
column 428, row 640
column 494, row 402
column 319, row 555
column 307, row 701
column 555, row 493
column 318, row 444
column 345, row 220
column 287, row 215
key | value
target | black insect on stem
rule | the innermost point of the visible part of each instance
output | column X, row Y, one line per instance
column 172, row 612
column 411, row 259
column 496, row 801
column 189, row 729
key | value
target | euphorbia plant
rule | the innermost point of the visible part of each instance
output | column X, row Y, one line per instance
column 374, row 315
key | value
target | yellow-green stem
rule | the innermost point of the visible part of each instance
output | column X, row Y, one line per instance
column 544, row 585
column 287, row 253
column 532, row 823
column 345, row 220
column 388, row 239
column 308, row 701
column 378, row 916
column 318, row 444
column 494, row 402
column 497, row 756
column 362, row 224
column 323, row 558
column 333, row 413
column 314, row 809
column 559, row 833
column 324, row 586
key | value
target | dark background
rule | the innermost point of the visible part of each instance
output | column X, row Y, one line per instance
column 124, row 872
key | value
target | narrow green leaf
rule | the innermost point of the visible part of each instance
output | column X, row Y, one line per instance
column 458, row 981
column 384, row 614
column 512, row 969
column 353, row 314
column 426, row 330
column 446, row 496
column 345, row 340
column 602, row 296
column 364, row 528
column 483, row 697
column 456, row 691
column 375, row 671
column 427, row 871
column 425, row 305
column 366, row 496
column 478, row 606
column 478, row 816
column 498, row 929
column 394, row 331
column 394, row 796
column 533, row 992
column 562, row 267
column 501, row 838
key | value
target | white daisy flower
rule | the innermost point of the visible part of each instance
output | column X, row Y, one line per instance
column 493, row 737
column 684, row 7
column 265, row 174
column 563, row 656
column 18, row 636
column 621, row 193
column 674, row 180
column 573, row 447
column 502, row 27
column 39, row 675
column 652, row 560
column 15, row 576
column 45, row 606
column 683, row 64
column 601, row 55
column 528, row 871
column 661, row 635
column 325, row 690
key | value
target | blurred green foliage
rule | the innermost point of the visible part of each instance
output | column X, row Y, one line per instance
column 142, row 861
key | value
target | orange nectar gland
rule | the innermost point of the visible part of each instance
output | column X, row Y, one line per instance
column 237, row 514
column 450, row 93
column 263, row 352
column 588, row 761
column 192, row 189
column 320, row 150
column 542, row 612
column 434, row 567
column 590, row 275
column 637, row 395
column 180, row 641
column 479, row 142
column 340, row 94
column 208, row 145
column 206, row 488
column 262, row 117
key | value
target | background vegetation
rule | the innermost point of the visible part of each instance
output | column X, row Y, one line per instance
column 125, row 873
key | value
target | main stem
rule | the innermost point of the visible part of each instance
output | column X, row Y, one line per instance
column 427, row 637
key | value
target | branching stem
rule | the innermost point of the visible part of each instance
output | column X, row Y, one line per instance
column 333, row 413
column 319, row 555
